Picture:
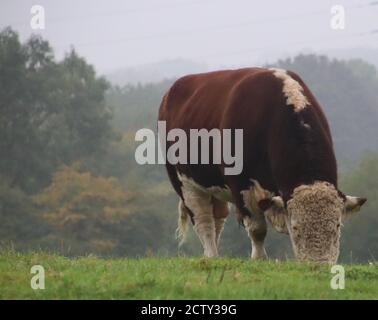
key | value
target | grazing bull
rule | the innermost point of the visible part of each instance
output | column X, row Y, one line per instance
column 289, row 174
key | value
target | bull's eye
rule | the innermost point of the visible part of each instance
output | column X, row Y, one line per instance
column 338, row 225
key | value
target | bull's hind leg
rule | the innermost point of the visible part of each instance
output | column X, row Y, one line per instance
column 201, row 206
column 220, row 213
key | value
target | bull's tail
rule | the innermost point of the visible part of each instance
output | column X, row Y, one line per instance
column 183, row 223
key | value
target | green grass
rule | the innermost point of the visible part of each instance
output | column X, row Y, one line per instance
column 179, row 278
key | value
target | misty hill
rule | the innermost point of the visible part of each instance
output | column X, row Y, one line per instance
column 367, row 54
column 174, row 68
column 155, row 72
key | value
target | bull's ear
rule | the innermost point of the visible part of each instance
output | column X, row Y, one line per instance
column 353, row 204
column 274, row 202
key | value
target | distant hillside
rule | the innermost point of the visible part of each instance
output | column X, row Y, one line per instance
column 174, row 68
column 155, row 72
column 367, row 54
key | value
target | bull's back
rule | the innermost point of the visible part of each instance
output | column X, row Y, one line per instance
column 204, row 100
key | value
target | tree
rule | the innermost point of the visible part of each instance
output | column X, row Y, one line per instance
column 359, row 237
column 80, row 124
column 84, row 211
column 20, row 106
column 50, row 113
column 20, row 226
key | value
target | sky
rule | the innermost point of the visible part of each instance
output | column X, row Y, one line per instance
column 113, row 34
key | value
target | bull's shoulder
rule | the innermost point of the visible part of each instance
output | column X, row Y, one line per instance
column 257, row 89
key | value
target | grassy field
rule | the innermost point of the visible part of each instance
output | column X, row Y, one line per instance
column 178, row 278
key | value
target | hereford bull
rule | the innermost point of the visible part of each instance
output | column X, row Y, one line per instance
column 289, row 174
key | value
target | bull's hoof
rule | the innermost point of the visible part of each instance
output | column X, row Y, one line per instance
column 259, row 254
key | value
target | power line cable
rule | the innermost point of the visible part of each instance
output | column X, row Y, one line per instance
column 203, row 29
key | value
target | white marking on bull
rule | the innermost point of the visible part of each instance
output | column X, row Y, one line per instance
column 221, row 193
column 292, row 90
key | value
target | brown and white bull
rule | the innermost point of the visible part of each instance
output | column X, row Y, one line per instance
column 289, row 174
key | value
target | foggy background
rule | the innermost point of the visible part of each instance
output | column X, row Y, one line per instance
column 72, row 98
column 195, row 35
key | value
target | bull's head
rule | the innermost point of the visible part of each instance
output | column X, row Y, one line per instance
column 312, row 217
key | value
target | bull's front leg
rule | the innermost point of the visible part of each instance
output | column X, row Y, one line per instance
column 256, row 228
column 253, row 216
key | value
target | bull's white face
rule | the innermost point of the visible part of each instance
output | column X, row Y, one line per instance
column 313, row 219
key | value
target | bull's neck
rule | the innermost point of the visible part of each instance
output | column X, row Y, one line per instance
column 305, row 168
